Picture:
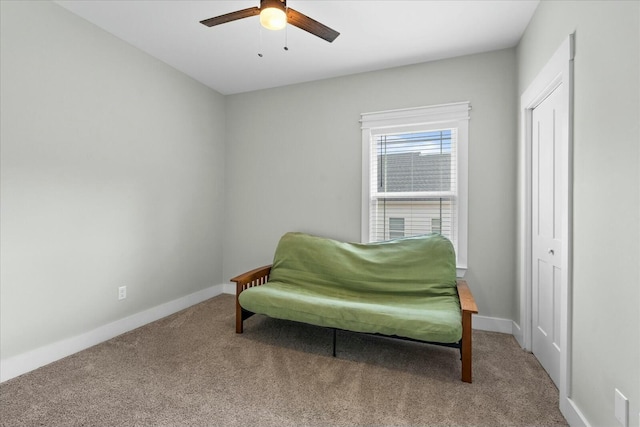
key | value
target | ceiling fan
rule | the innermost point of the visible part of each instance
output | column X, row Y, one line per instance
column 274, row 15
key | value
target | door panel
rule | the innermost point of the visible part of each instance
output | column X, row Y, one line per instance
column 546, row 232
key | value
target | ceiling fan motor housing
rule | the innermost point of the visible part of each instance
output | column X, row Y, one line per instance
column 278, row 4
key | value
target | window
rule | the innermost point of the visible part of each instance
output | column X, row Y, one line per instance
column 436, row 225
column 415, row 174
column 396, row 228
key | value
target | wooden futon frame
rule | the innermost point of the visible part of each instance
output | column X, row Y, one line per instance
column 260, row 276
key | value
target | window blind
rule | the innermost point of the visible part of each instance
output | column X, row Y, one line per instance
column 413, row 184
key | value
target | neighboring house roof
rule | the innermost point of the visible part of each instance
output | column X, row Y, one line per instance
column 413, row 171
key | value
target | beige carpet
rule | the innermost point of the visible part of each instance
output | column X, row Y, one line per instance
column 192, row 369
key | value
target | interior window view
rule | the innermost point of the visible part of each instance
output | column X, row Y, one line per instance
column 414, row 185
column 320, row 213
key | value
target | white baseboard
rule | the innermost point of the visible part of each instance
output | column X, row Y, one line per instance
column 518, row 334
column 492, row 324
column 572, row 413
column 229, row 288
column 17, row 365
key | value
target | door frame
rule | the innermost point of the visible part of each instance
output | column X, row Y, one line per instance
column 558, row 72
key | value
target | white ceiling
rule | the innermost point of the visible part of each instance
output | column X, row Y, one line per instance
column 373, row 35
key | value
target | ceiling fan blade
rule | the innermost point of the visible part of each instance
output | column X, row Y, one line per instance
column 239, row 14
column 311, row 25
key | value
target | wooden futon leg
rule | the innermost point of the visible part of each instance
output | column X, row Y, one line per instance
column 468, row 307
column 466, row 347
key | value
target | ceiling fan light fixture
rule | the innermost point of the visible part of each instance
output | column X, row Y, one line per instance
column 275, row 15
column 273, row 18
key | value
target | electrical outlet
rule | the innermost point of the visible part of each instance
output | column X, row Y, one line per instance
column 122, row 292
column 622, row 409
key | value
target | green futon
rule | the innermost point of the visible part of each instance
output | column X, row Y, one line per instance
column 404, row 288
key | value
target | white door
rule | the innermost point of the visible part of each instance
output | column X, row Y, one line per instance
column 546, row 203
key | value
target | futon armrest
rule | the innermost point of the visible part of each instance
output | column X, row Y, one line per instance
column 467, row 303
column 255, row 277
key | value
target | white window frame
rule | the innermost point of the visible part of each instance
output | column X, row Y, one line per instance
column 454, row 115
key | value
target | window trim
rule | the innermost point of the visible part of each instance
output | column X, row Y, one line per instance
column 451, row 115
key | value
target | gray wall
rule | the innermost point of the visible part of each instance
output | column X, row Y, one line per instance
column 294, row 162
column 606, row 279
column 118, row 170
column 112, row 174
